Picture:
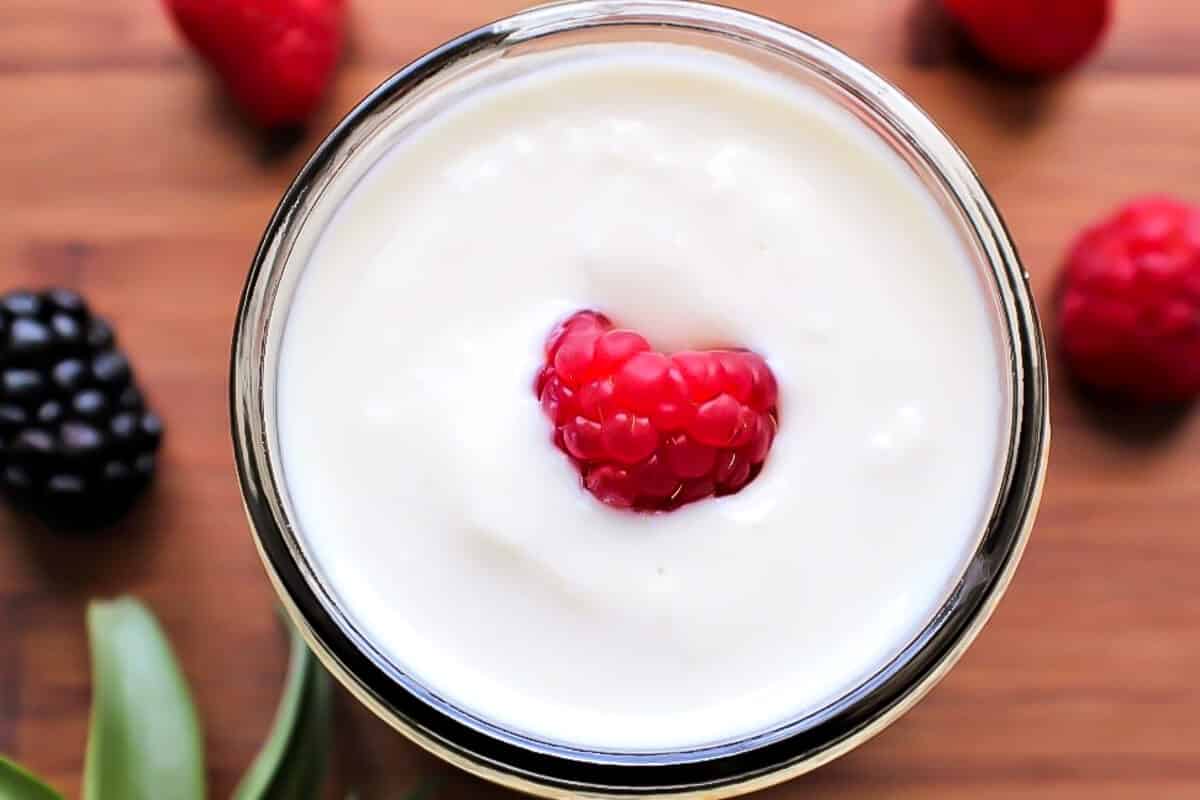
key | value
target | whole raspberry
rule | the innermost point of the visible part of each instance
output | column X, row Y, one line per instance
column 1032, row 37
column 650, row 431
column 275, row 56
column 1129, row 303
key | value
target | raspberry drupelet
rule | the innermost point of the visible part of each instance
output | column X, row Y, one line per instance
column 651, row 431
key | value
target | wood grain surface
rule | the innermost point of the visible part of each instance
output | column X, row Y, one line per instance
column 124, row 174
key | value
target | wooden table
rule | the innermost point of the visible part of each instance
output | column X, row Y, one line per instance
column 124, row 174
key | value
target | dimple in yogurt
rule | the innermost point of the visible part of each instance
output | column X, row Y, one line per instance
column 698, row 199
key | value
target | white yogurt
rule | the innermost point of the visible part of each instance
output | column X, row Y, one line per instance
column 700, row 200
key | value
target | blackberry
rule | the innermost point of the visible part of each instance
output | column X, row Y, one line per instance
column 77, row 442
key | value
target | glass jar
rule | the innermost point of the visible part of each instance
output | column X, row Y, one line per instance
column 417, row 92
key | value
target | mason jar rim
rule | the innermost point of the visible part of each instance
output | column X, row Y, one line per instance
column 753, row 762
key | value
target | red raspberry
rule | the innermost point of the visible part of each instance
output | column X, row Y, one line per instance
column 275, row 56
column 650, row 431
column 1129, row 303
column 1032, row 37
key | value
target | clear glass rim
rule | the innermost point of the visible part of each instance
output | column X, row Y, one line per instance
column 722, row 770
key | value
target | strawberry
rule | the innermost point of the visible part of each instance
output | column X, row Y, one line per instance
column 651, row 431
column 1129, row 303
column 276, row 57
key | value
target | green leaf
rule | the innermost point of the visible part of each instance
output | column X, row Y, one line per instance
column 292, row 762
column 17, row 784
column 144, row 742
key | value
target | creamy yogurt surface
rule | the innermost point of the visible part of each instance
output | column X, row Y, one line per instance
column 703, row 201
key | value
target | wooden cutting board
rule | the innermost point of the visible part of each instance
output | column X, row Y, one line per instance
column 124, row 174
